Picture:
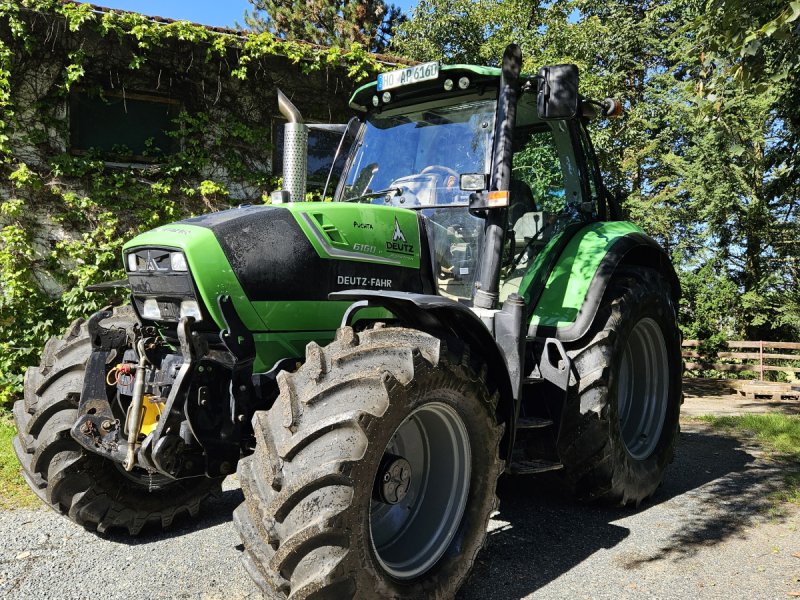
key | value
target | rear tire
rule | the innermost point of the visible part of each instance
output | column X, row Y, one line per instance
column 91, row 490
column 312, row 522
column 621, row 420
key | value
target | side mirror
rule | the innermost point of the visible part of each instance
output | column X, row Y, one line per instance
column 558, row 92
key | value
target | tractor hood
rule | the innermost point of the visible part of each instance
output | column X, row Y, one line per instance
column 263, row 256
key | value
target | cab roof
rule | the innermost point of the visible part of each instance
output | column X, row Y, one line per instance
column 479, row 77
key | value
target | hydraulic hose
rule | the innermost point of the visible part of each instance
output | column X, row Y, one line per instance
column 135, row 411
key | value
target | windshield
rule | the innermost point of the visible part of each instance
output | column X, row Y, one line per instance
column 415, row 159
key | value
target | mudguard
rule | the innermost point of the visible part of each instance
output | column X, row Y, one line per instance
column 439, row 315
column 575, row 286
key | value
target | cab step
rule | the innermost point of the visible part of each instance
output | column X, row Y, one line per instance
column 529, row 467
column 533, row 423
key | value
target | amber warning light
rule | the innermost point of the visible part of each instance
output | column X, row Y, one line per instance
column 612, row 108
column 497, row 199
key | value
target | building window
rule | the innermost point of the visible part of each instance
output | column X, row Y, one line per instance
column 322, row 147
column 123, row 127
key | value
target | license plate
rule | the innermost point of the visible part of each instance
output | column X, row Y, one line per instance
column 407, row 76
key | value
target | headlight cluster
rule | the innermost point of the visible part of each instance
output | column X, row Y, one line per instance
column 161, row 284
column 157, row 261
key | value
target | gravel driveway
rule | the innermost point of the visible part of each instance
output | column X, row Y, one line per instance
column 708, row 533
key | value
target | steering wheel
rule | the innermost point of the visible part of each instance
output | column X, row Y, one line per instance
column 439, row 168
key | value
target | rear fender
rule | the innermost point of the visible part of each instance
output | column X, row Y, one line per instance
column 446, row 318
column 575, row 287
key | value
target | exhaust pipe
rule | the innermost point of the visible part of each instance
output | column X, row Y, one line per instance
column 295, row 150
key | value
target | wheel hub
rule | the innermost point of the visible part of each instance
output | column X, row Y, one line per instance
column 394, row 477
column 643, row 389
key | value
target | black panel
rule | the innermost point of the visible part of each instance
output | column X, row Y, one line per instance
column 157, row 284
column 214, row 219
column 273, row 259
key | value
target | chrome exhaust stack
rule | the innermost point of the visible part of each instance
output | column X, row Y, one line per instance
column 295, row 152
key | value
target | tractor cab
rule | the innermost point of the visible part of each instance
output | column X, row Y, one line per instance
column 430, row 146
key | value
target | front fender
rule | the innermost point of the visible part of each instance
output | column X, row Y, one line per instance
column 443, row 317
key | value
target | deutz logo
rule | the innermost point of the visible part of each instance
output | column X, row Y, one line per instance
column 398, row 233
column 399, row 245
column 151, row 264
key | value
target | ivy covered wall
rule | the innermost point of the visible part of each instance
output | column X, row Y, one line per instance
column 65, row 210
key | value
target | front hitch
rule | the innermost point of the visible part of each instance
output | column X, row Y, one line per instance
column 96, row 428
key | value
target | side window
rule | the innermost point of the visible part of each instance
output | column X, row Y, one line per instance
column 537, row 179
column 546, row 197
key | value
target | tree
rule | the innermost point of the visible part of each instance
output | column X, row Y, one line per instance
column 327, row 22
column 707, row 151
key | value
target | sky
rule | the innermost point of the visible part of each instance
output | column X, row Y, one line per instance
column 221, row 13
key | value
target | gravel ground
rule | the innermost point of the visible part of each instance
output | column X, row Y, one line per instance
column 709, row 532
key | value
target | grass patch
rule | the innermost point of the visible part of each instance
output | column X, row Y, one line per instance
column 14, row 492
column 778, row 434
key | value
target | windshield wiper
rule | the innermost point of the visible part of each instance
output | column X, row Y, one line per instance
column 397, row 192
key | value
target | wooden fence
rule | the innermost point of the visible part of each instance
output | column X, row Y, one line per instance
column 748, row 356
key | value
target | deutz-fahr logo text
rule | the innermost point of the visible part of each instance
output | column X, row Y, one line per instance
column 398, row 244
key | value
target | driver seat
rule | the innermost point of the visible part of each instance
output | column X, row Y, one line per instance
column 521, row 201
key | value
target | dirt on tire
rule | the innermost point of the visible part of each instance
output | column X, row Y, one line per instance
column 305, row 522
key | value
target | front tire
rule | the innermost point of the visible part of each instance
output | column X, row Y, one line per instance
column 374, row 473
column 92, row 491
column 621, row 421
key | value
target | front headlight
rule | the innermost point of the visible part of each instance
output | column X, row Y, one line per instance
column 190, row 308
column 178, row 261
column 132, row 261
column 151, row 310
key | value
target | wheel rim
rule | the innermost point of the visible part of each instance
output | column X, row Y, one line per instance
column 643, row 389
column 410, row 536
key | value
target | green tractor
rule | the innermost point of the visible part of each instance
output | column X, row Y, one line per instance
column 470, row 304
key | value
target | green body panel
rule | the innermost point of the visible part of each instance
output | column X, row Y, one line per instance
column 365, row 231
column 568, row 282
column 536, row 269
column 341, row 231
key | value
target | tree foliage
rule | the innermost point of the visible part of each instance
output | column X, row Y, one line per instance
column 64, row 217
column 328, row 22
column 707, row 152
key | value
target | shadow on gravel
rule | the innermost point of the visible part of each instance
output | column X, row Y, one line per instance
column 728, row 487
column 713, row 490
column 214, row 511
